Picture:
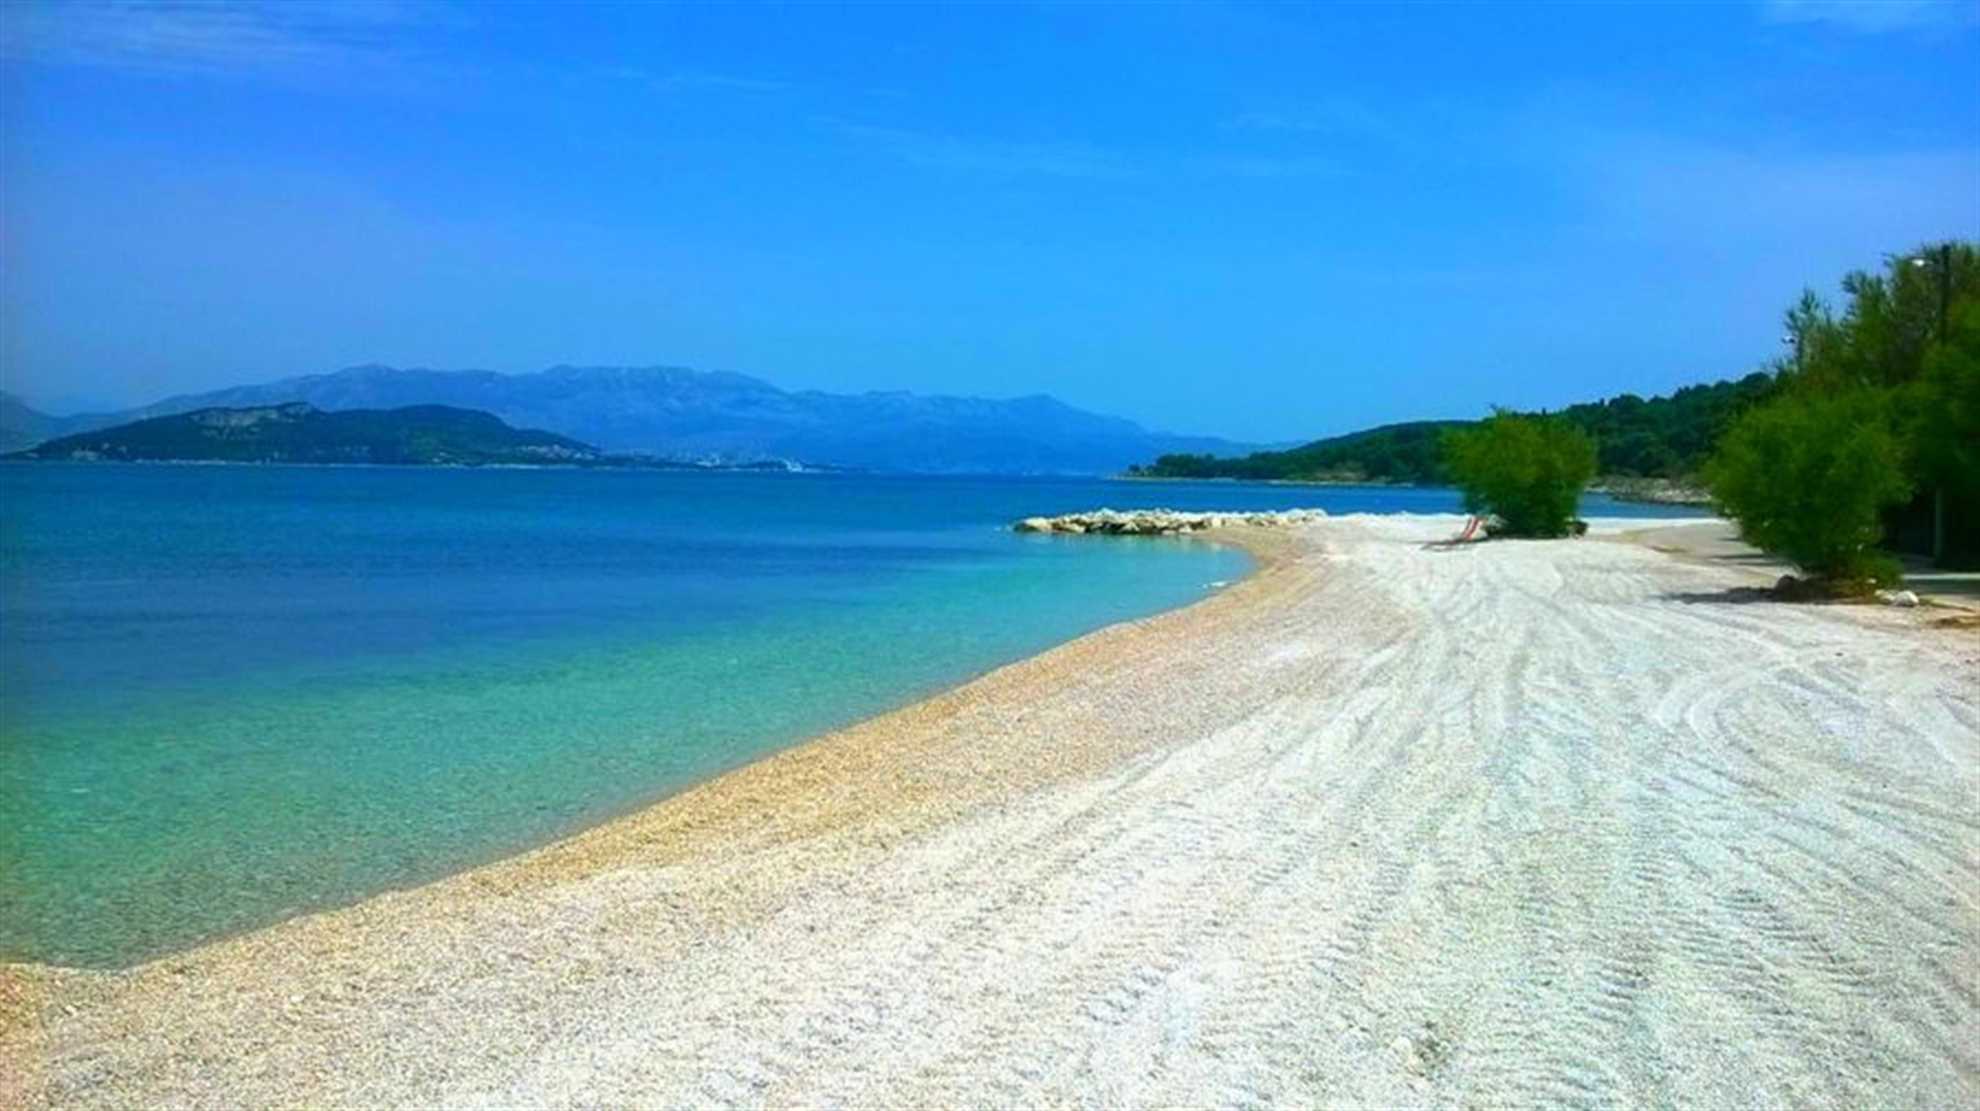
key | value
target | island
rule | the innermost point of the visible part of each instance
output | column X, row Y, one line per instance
column 298, row 432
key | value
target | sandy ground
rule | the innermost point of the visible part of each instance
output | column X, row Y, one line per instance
column 1716, row 543
column 1391, row 824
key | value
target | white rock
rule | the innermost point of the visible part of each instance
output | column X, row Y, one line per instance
column 1163, row 522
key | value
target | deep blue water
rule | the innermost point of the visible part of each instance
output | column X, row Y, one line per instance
column 232, row 694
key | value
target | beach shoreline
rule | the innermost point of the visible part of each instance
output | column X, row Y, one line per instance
column 660, row 832
column 569, row 854
column 23, row 984
column 908, row 865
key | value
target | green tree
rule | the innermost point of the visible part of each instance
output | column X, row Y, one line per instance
column 1807, row 476
column 1905, row 344
column 1890, row 321
column 1941, row 419
column 1528, row 471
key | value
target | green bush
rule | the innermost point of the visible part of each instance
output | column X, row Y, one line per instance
column 1807, row 475
column 1526, row 471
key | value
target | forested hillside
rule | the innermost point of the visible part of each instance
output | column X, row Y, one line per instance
column 1659, row 437
column 299, row 433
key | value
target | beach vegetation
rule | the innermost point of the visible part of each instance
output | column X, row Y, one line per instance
column 1941, row 411
column 1873, row 437
column 1808, row 476
column 1525, row 471
column 1667, row 438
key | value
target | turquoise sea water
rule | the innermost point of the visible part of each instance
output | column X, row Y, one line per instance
column 233, row 694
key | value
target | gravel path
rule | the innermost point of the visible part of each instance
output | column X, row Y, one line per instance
column 1515, row 823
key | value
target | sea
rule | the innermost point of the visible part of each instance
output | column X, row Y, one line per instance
column 234, row 694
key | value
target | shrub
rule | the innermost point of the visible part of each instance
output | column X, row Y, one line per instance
column 1807, row 474
column 1526, row 471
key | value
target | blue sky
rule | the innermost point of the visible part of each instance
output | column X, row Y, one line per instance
column 1260, row 221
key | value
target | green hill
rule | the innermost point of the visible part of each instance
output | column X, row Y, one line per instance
column 300, row 433
column 1391, row 453
column 1659, row 437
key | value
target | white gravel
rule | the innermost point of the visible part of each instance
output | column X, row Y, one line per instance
column 1555, row 823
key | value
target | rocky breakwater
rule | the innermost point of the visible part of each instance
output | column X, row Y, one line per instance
column 1162, row 522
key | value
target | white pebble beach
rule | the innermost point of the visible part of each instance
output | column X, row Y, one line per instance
column 1387, row 823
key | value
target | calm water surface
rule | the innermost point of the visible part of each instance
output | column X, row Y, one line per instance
column 233, row 694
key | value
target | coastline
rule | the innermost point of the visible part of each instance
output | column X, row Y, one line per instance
column 724, row 804
column 1626, row 491
column 1267, row 767
column 632, row 464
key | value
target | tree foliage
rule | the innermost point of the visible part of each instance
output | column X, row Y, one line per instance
column 1528, row 471
column 1657, row 437
column 1879, row 402
column 1406, row 453
column 1907, row 338
column 1943, row 407
column 1808, row 475
column 1666, row 437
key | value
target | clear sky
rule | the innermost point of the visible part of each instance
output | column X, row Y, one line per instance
column 1259, row 221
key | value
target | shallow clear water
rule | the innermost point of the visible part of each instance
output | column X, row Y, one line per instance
column 232, row 694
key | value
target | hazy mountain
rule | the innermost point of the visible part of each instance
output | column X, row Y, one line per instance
column 687, row 414
column 23, row 426
column 301, row 433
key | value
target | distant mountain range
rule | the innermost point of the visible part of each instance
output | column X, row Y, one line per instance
column 300, row 433
column 23, row 427
column 687, row 415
